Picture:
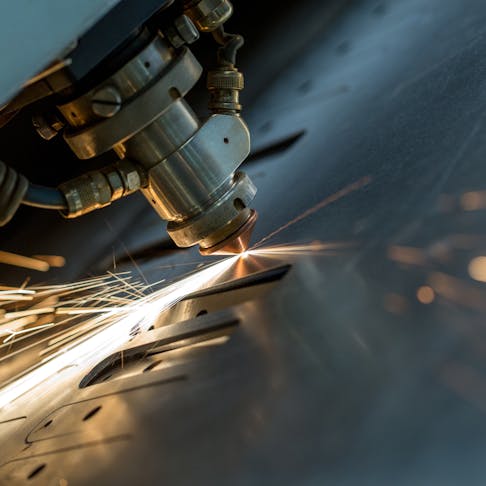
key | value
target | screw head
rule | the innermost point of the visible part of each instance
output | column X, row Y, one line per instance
column 106, row 102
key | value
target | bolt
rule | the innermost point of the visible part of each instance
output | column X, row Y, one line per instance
column 106, row 102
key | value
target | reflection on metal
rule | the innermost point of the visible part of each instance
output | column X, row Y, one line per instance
column 157, row 344
column 143, row 335
column 106, row 332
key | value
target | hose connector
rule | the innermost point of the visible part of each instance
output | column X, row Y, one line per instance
column 97, row 189
column 224, row 84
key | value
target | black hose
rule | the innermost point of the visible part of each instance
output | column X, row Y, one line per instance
column 13, row 187
column 219, row 35
column 44, row 197
column 228, row 52
column 230, row 44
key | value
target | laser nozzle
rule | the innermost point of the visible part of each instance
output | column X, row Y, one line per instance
column 236, row 242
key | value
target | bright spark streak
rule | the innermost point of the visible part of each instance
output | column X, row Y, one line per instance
column 30, row 312
column 16, row 291
column 73, row 311
column 17, row 324
column 364, row 181
column 13, row 334
column 114, row 329
column 303, row 249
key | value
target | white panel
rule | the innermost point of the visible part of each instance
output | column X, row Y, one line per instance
column 34, row 32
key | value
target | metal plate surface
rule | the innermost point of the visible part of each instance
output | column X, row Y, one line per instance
column 365, row 363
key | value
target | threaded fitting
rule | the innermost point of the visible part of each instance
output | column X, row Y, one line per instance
column 97, row 189
column 224, row 85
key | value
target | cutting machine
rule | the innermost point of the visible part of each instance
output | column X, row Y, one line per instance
column 121, row 87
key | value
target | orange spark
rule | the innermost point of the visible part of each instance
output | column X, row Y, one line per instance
column 325, row 202
column 425, row 294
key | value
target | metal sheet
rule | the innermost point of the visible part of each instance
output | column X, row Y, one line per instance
column 347, row 371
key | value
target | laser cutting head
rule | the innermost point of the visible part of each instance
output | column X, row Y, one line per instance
column 132, row 102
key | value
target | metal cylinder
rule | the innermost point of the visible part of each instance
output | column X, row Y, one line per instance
column 162, row 137
column 224, row 85
column 185, row 183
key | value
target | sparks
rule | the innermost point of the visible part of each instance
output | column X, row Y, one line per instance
column 12, row 334
column 315, row 247
column 107, row 331
column 364, row 181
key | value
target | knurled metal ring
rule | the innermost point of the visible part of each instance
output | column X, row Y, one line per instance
column 94, row 140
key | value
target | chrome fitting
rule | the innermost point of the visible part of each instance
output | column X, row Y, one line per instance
column 97, row 189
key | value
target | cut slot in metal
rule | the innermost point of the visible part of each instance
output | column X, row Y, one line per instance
column 275, row 148
column 199, row 321
column 161, row 340
column 259, row 278
column 92, row 413
column 36, row 471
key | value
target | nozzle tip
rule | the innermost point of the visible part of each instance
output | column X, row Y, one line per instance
column 237, row 242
